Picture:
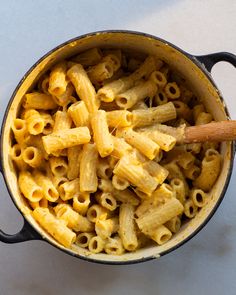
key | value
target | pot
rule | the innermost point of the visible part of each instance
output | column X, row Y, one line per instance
column 196, row 70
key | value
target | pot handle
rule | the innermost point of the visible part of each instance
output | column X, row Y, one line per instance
column 210, row 60
column 27, row 233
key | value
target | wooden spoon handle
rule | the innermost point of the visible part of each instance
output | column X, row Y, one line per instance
column 215, row 131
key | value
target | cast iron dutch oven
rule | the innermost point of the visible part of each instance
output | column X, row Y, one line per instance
column 196, row 70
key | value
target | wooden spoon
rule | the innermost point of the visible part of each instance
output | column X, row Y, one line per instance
column 215, row 131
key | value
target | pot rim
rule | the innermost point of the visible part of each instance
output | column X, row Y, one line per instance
column 207, row 75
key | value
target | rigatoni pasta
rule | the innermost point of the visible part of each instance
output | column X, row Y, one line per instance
column 97, row 166
column 83, row 86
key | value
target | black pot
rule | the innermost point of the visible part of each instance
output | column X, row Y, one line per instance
column 196, row 69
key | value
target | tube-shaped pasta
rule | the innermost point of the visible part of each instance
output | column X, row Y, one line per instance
column 175, row 172
column 88, row 169
column 210, row 145
column 140, row 105
column 126, row 227
column 89, row 57
column 65, row 139
column 43, row 84
column 65, row 98
column 120, row 118
column 83, row 87
column 126, row 196
column 129, row 98
column 160, row 195
column 172, row 90
column 146, row 68
column 142, row 143
column 140, row 194
column 34, row 122
column 29, row 187
column 159, row 114
column 159, row 215
column 185, row 160
column 105, row 228
column 174, row 224
column 114, row 57
column 96, row 245
column 199, row 197
column 20, row 130
column 101, row 134
column 157, row 171
column 83, row 239
column 121, row 147
column 136, row 175
column 161, row 235
column 57, row 79
column 79, row 114
column 165, row 141
column 105, row 69
column 73, row 154
column 105, row 185
column 96, row 212
column 114, row 246
column 160, row 98
column 62, row 121
column 209, row 173
column 211, row 152
column 192, row 172
column 203, row 118
column 178, row 132
column 190, row 209
column 48, row 123
column 57, row 180
column 119, row 183
column 103, row 169
column 158, row 78
column 32, row 156
column 73, row 219
column 16, row 155
column 54, row 227
column 81, row 203
column 58, row 166
column 194, row 147
column 69, row 189
column 199, row 108
column 40, row 101
column 179, row 188
column 109, row 92
column 106, row 200
column 182, row 110
column 49, row 190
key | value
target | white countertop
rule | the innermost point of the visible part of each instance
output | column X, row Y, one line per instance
column 206, row 264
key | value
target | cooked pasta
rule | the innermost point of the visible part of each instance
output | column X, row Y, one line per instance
column 98, row 150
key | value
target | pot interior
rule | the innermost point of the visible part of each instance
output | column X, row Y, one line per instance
column 197, row 80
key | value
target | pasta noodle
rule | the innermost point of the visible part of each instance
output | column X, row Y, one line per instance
column 102, row 137
column 88, row 169
column 55, row 227
column 83, row 87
